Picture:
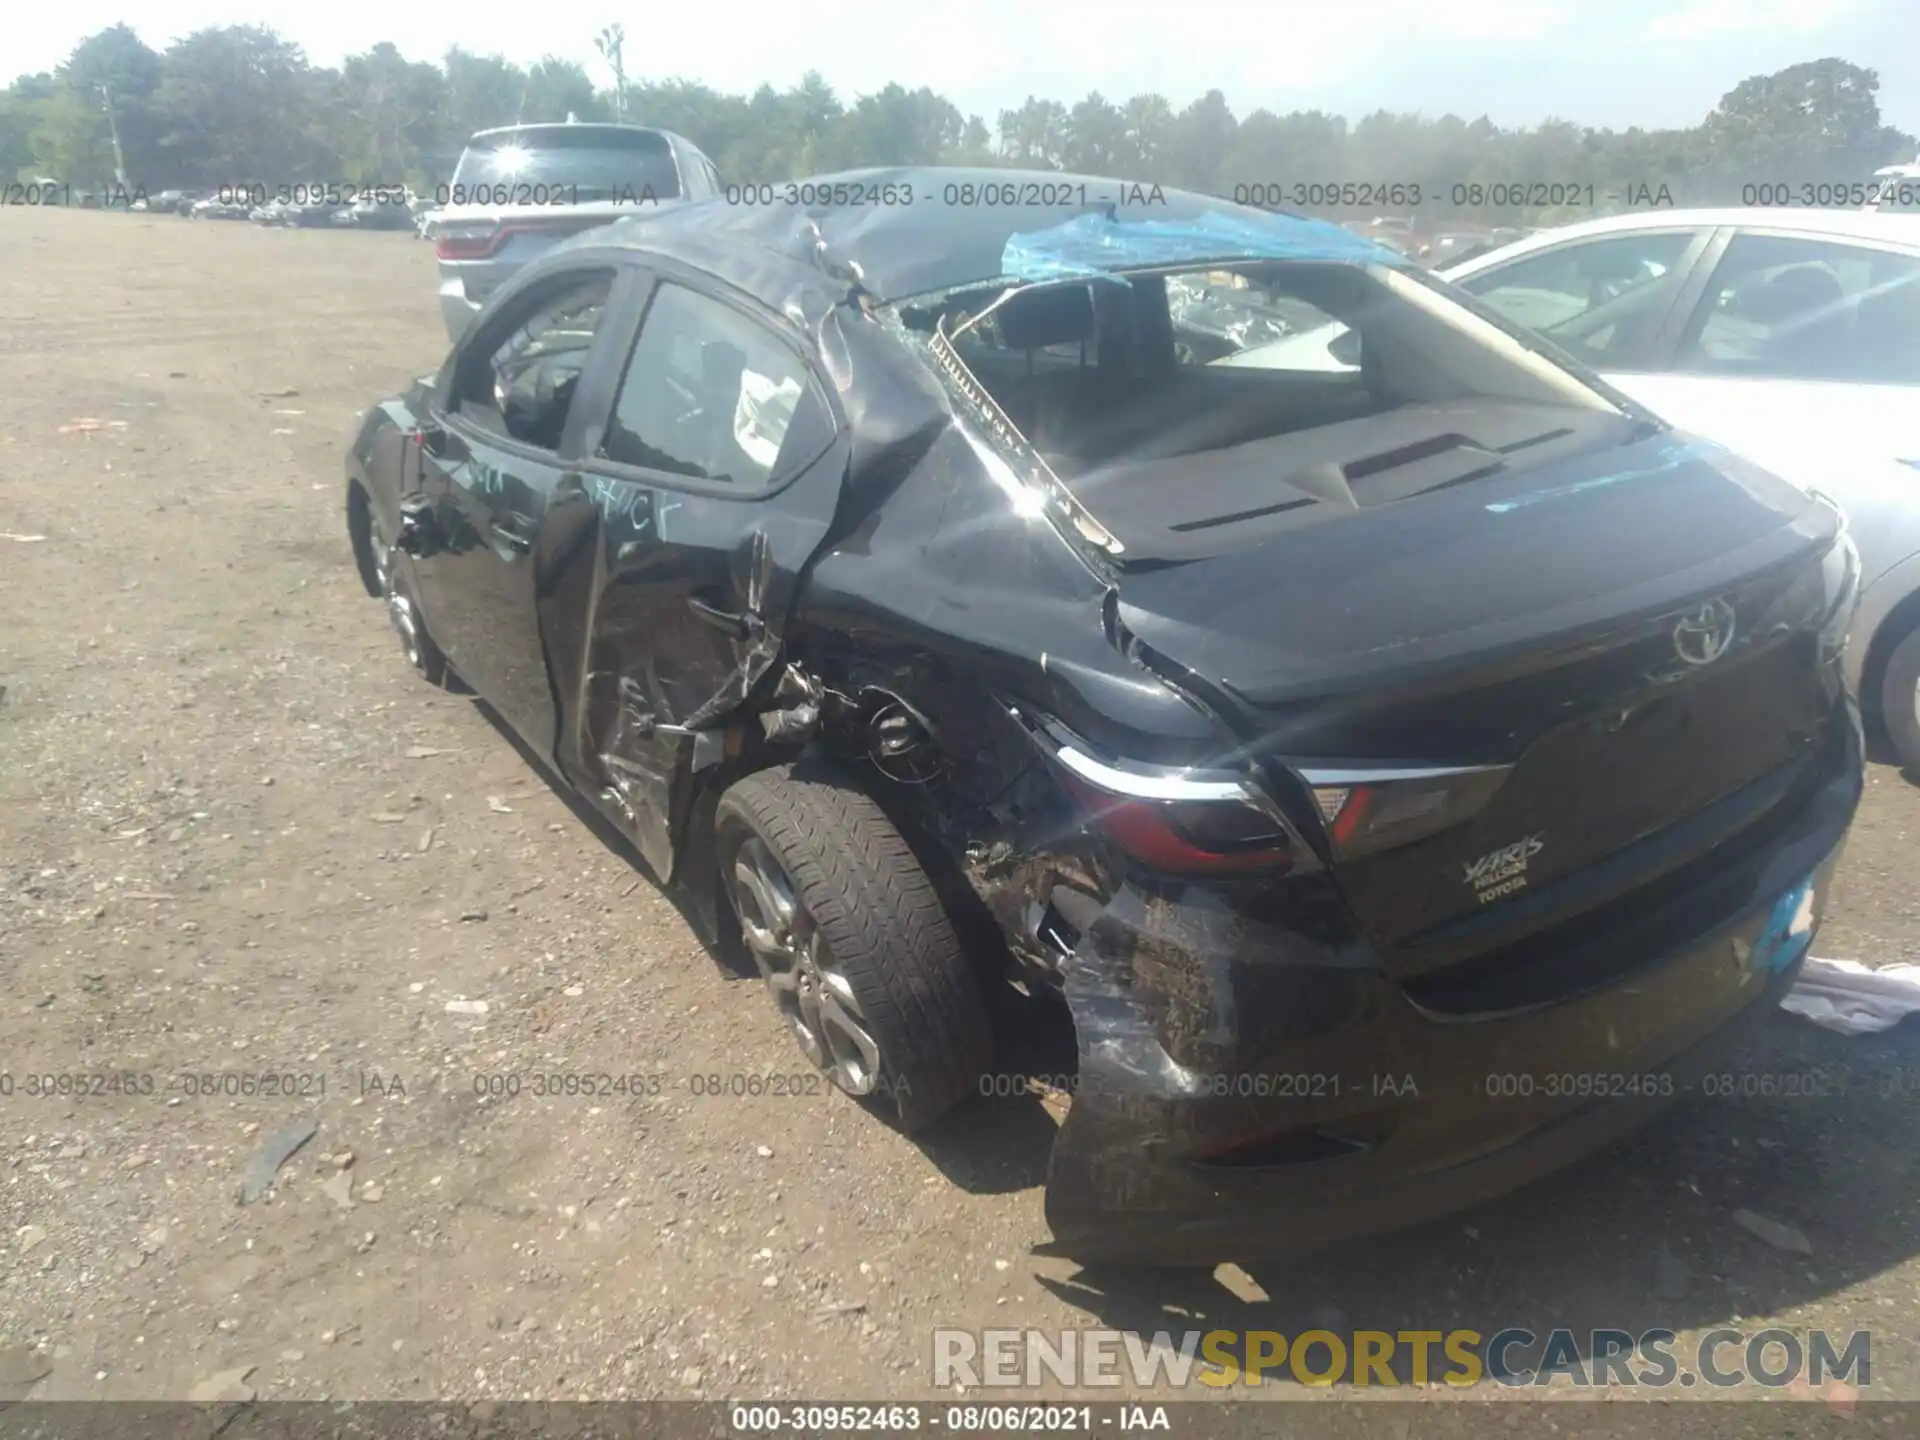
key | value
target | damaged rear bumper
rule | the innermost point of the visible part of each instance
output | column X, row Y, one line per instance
column 1250, row 1090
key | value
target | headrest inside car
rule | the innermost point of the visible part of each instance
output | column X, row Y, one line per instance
column 1801, row 293
column 1036, row 319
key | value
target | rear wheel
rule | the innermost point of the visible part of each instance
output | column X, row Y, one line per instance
column 1900, row 700
column 855, row 947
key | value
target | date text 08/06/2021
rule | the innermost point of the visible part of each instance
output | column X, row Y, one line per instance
column 960, row 1419
column 561, row 1082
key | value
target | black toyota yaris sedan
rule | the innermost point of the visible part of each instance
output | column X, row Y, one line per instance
column 1406, row 761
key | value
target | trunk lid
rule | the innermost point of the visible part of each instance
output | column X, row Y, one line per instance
column 1631, row 640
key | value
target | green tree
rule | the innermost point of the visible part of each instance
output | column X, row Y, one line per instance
column 1199, row 142
column 1096, row 139
column 1815, row 121
column 391, row 112
column 558, row 88
column 1036, row 134
column 1149, row 120
column 115, row 66
column 70, row 140
column 482, row 91
column 239, row 105
column 19, row 117
column 897, row 126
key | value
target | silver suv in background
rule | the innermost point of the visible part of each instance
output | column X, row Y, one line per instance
column 521, row 188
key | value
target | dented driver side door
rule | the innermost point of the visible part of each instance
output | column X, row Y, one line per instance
column 713, row 478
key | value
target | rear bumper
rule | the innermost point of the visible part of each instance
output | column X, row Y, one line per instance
column 1279, row 1092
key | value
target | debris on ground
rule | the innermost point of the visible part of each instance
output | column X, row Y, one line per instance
column 227, row 1387
column 1773, row 1232
column 277, row 1149
column 1854, row 999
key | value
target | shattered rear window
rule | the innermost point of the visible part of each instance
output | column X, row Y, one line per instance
column 1192, row 410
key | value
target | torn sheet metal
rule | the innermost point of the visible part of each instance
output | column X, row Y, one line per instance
column 1097, row 244
column 1850, row 998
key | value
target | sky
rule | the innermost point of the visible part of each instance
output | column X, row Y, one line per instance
column 1610, row 63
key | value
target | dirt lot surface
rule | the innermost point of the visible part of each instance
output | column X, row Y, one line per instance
column 239, row 838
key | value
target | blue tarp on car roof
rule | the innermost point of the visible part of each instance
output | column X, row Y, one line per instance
column 1097, row 243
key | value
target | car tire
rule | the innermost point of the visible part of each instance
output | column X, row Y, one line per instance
column 392, row 574
column 1900, row 701
column 865, row 949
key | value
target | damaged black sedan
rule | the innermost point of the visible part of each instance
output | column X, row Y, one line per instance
column 1405, row 763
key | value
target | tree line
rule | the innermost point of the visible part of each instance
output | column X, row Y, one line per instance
column 241, row 104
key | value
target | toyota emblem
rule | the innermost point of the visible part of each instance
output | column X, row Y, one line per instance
column 1703, row 637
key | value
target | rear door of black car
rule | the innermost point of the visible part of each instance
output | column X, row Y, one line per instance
column 713, row 477
column 510, row 414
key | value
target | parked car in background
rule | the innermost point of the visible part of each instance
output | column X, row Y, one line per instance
column 215, row 208
column 519, row 189
column 1896, row 190
column 1452, row 247
column 375, row 212
column 1790, row 336
column 886, row 574
column 312, row 214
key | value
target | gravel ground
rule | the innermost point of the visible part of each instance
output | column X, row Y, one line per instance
column 238, row 838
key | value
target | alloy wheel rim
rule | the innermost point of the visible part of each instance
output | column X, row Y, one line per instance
column 400, row 611
column 808, row 988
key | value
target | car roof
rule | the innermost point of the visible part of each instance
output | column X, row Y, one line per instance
column 534, row 127
column 914, row 230
column 1862, row 224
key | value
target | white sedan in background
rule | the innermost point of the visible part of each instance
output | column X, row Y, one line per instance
column 1789, row 336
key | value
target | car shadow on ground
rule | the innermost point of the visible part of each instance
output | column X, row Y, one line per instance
column 1880, row 752
column 731, row 962
column 1639, row 1238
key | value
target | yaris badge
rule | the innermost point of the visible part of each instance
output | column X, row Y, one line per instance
column 1703, row 637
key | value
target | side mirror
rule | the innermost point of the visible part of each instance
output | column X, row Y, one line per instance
column 1346, row 348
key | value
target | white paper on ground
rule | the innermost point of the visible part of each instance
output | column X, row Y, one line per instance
column 1852, row 998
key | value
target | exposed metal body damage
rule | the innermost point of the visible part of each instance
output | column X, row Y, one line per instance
column 1280, row 1013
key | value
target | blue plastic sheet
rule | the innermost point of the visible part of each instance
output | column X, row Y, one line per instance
column 1096, row 244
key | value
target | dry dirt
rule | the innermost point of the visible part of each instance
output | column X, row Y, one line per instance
column 239, row 838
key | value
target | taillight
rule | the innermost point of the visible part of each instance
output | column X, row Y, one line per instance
column 1205, row 837
column 468, row 239
column 1372, row 808
column 478, row 239
column 1178, row 822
